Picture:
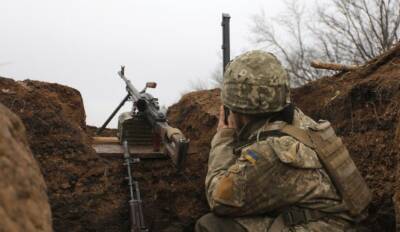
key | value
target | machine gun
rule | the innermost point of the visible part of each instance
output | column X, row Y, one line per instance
column 145, row 128
column 145, row 133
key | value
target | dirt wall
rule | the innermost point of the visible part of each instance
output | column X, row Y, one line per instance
column 363, row 107
column 23, row 198
column 80, row 195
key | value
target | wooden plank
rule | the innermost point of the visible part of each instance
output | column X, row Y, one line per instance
column 135, row 151
column 105, row 140
column 333, row 66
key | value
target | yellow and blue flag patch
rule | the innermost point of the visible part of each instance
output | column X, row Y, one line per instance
column 251, row 156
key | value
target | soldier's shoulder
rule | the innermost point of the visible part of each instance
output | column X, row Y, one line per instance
column 285, row 149
column 293, row 152
column 301, row 120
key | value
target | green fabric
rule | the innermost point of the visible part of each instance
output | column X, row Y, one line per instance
column 212, row 223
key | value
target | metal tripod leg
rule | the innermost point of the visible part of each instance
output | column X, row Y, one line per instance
column 112, row 115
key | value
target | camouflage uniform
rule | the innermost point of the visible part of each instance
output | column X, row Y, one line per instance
column 269, row 176
column 248, row 190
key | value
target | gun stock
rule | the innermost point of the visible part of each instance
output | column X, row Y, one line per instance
column 175, row 144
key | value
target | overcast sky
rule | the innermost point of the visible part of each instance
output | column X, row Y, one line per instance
column 82, row 43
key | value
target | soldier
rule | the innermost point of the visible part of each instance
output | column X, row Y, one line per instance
column 267, row 169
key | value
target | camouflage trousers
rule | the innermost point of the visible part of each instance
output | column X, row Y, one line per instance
column 212, row 223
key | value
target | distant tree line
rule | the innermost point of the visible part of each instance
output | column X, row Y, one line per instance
column 340, row 31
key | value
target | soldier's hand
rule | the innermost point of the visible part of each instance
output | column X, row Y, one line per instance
column 221, row 122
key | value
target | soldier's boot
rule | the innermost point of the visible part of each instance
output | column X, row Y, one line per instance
column 212, row 223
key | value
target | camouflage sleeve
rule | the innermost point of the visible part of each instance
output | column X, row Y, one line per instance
column 262, row 179
column 220, row 159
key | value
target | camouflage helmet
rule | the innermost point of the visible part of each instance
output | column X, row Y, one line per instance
column 255, row 83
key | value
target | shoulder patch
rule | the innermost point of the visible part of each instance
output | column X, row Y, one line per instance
column 251, row 156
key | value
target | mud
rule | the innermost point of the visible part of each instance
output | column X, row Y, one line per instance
column 24, row 204
column 363, row 107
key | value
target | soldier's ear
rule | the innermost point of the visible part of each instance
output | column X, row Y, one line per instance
column 241, row 119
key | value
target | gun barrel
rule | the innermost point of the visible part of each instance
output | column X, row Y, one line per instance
column 226, row 50
column 135, row 94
